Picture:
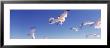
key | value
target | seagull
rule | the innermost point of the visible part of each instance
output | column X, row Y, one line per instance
column 98, row 25
column 59, row 20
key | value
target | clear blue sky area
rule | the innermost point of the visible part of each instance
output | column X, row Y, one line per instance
column 22, row 20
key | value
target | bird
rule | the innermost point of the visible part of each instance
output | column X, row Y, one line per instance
column 98, row 25
column 60, row 19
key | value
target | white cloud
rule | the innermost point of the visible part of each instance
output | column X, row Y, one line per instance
column 88, row 23
column 74, row 29
column 93, row 35
column 45, row 37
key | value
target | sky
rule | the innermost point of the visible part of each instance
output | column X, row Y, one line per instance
column 22, row 20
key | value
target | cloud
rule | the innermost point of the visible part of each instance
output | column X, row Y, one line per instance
column 45, row 37
column 93, row 35
column 88, row 23
column 97, row 27
column 74, row 29
column 32, row 32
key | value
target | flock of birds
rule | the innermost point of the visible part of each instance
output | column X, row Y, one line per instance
column 61, row 19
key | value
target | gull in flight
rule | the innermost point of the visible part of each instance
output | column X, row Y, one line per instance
column 59, row 20
column 98, row 25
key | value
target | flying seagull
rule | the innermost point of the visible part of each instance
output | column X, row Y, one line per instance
column 59, row 20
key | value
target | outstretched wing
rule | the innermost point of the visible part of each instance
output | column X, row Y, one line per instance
column 51, row 21
column 64, row 14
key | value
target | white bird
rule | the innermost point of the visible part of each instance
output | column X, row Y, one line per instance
column 60, row 19
column 98, row 25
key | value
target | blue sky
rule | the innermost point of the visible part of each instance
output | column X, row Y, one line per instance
column 22, row 20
